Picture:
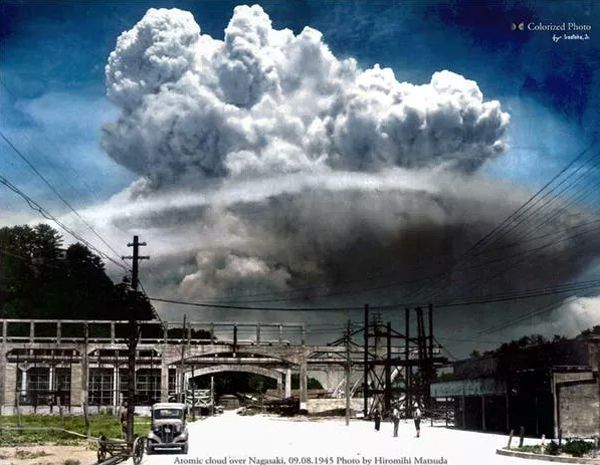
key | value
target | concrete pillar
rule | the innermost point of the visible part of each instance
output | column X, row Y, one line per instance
column 164, row 377
column 280, row 385
column 3, row 366
column 288, row 383
column 10, row 385
column 76, row 377
column 116, row 399
column 85, row 373
column 23, row 387
column 303, row 384
column 51, row 370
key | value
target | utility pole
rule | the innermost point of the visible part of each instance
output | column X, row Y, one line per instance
column 348, row 391
column 212, row 396
column 388, row 370
column 133, row 334
column 181, row 364
column 366, row 365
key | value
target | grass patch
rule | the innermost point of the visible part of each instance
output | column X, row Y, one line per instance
column 531, row 449
column 575, row 448
column 99, row 424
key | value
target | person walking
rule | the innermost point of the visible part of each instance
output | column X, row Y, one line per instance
column 395, row 420
column 417, row 419
column 377, row 419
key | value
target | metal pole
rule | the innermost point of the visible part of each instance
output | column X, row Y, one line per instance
column 431, row 332
column 181, row 375
column 366, row 365
column 407, row 380
column 193, row 395
column 430, row 372
column 347, row 390
column 388, row 369
column 212, row 395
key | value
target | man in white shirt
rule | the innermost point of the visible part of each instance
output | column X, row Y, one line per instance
column 417, row 418
column 395, row 420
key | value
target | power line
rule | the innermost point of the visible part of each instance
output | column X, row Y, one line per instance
column 536, row 312
column 56, row 192
column 47, row 215
column 517, row 295
column 521, row 255
column 492, row 239
column 244, row 307
column 519, row 212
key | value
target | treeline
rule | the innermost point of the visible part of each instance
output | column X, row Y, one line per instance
column 41, row 279
column 533, row 340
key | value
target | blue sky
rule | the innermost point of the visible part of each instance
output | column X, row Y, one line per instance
column 53, row 57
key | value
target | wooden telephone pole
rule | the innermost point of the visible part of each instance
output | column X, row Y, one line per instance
column 133, row 335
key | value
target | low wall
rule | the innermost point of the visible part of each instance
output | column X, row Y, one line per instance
column 548, row 458
column 325, row 405
column 74, row 410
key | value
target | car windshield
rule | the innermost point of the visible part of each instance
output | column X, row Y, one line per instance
column 168, row 414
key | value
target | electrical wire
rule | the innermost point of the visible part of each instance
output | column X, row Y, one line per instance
column 56, row 192
column 47, row 215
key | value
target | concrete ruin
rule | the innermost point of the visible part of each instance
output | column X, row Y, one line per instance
column 47, row 365
column 552, row 389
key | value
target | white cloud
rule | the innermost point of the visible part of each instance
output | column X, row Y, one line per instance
column 569, row 319
column 266, row 101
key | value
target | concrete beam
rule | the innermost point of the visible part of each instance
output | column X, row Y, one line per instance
column 269, row 373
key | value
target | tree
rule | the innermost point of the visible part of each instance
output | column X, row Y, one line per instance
column 39, row 279
column 28, row 255
column 475, row 354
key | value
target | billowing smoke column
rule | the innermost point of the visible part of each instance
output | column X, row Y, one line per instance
column 265, row 101
column 267, row 164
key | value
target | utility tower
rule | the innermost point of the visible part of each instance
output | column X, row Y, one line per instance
column 401, row 371
column 133, row 334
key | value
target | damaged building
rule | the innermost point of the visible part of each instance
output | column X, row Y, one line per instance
column 551, row 389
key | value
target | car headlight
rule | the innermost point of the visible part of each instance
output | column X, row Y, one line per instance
column 182, row 437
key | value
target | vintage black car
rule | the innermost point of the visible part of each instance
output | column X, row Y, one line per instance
column 169, row 431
